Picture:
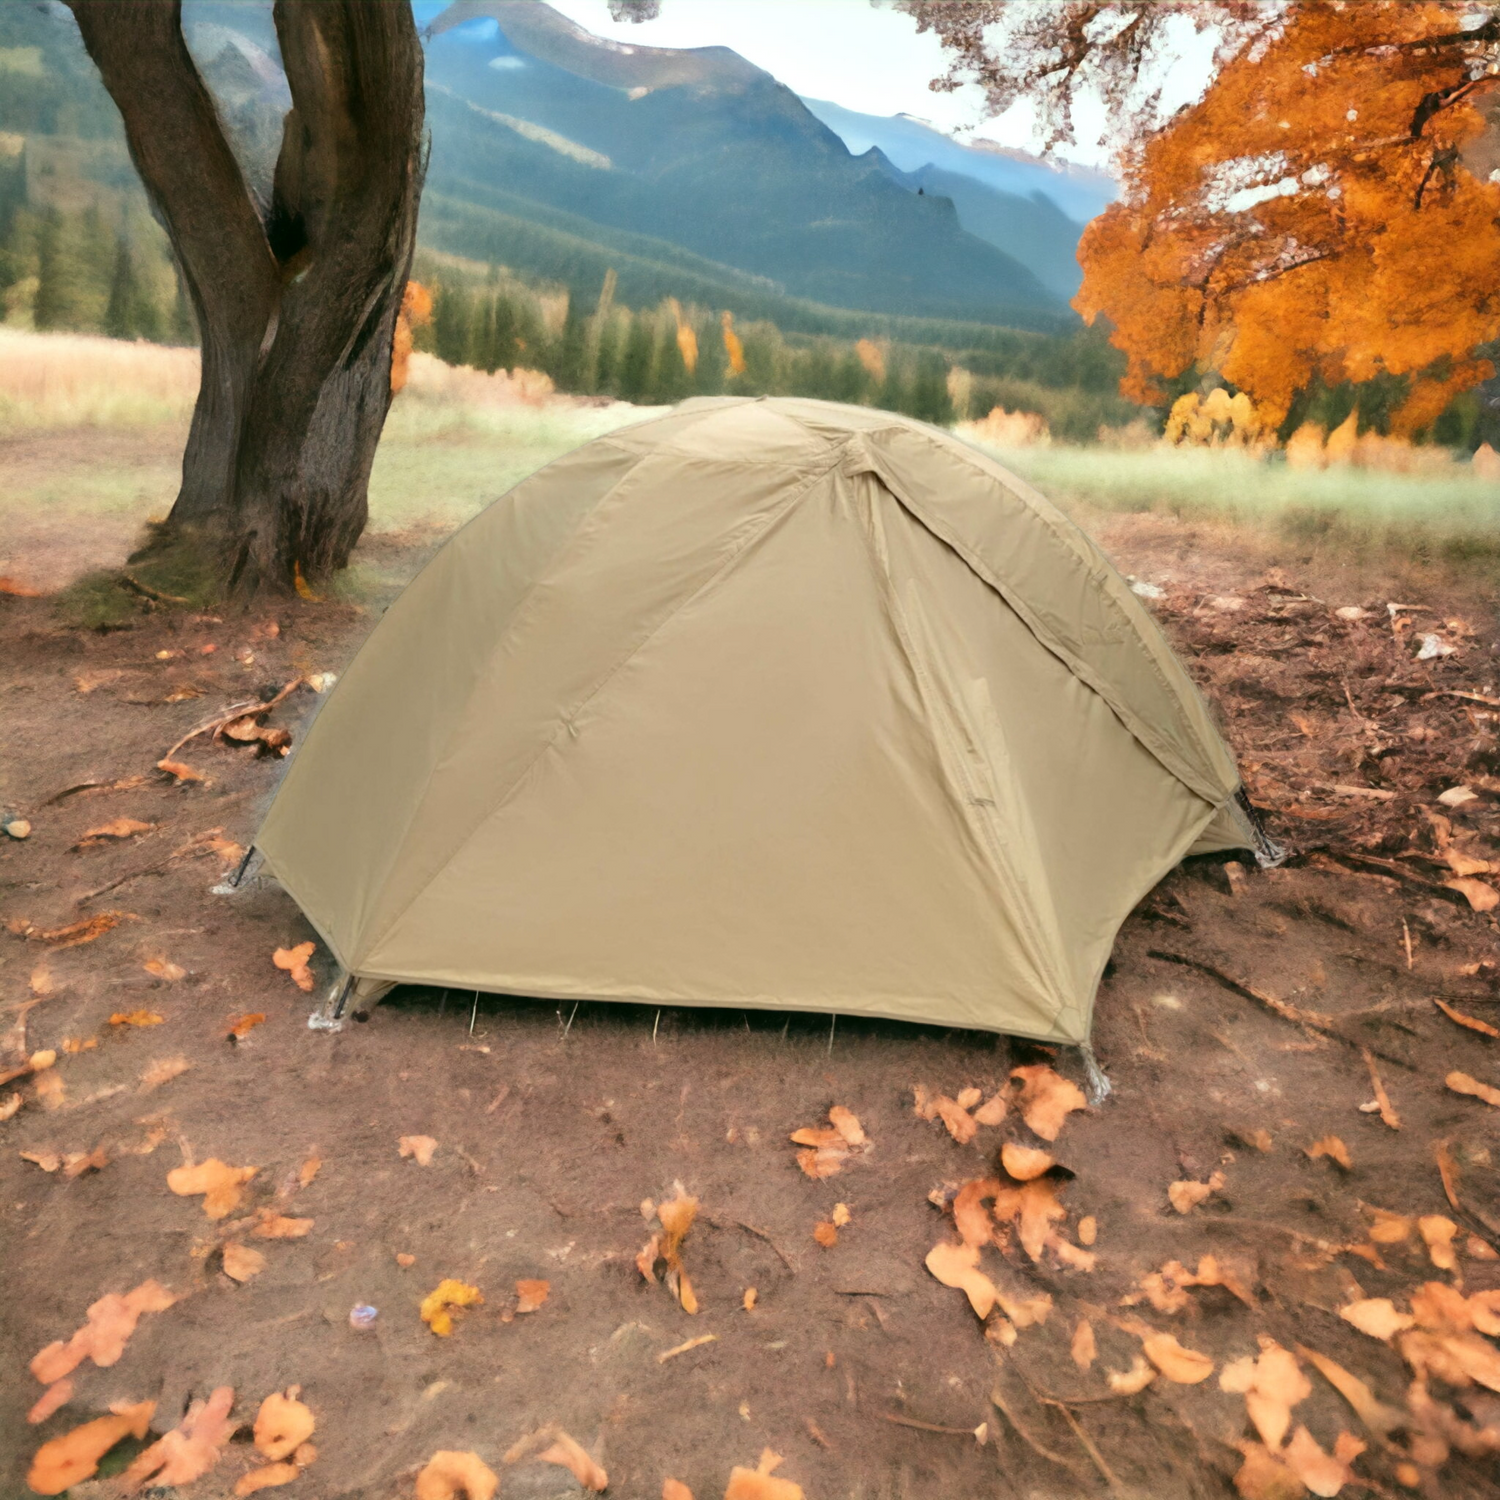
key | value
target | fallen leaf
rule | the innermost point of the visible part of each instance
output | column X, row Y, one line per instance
column 76, row 1163
column 268, row 1476
column 49, row 1088
column 1333, row 1148
column 531, row 1294
column 846, row 1122
column 1136, row 1378
column 404, row 1260
column 1323, row 1473
column 118, row 828
column 1459, row 1359
column 447, row 1475
column 969, row 1097
column 190, row 1449
column 1037, row 1210
column 178, row 771
column 993, row 1110
column 1389, row 1228
column 1083, row 1348
column 163, row 1070
column 76, row 934
column 1186, row 1195
column 748, row 1301
column 283, row 1424
column 1447, row 1171
column 274, row 1226
column 448, row 1293
column 48, row 1161
column 57, row 1395
column 294, row 961
column 1088, row 1229
column 1023, row 1162
column 420, row 1147
column 1442, row 1308
column 75, row 1044
column 136, row 1018
column 222, row 1186
column 1472, row 1022
column 960, row 1123
column 74, row 1457
column 1480, row 895
column 1461, row 1083
column 1474, row 1247
column 1376, row 1316
column 957, row 1266
column 241, row 1026
column 241, row 1262
column 1276, row 1386
column 1438, row 1233
column 109, row 1322
column 9, row 1105
column 676, row 1217
column 1047, row 1099
column 163, row 968
column 571, row 1456
column 970, row 1217
column 685, row 1346
column 309, row 1170
column 840, row 1214
column 1484, row 1311
column 759, row 1483
column 41, row 981
column 1382, row 1099
column 1263, row 1476
column 826, row 1234
column 1378, row 1417
column 675, row 1489
column 1179, row 1365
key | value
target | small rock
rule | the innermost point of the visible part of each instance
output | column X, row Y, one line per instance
column 1351, row 612
column 1456, row 796
column 362, row 1316
column 1146, row 590
column 1433, row 646
column 16, row 828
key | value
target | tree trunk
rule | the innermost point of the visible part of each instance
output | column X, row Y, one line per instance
column 296, row 314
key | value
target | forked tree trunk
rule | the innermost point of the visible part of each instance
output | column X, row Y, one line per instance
column 296, row 313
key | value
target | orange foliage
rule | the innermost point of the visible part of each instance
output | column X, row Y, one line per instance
column 1314, row 216
column 416, row 309
column 732, row 345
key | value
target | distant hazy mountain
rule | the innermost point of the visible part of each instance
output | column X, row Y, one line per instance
column 702, row 150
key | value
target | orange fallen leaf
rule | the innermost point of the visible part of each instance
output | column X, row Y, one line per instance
column 419, row 1147
column 41, row 981
column 76, row 1163
column 241, row 1026
column 1378, row 1417
column 76, row 934
column 1083, row 1348
column 1443, row 1308
column 531, row 1294
column 1480, row 895
column 18, row 590
column 826, row 1234
column 1277, row 1384
column 241, row 1262
column 404, row 1260
column 748, row 1301
column 993, row 1110
column 109, row 1323
column 1037, row 1209
column 448, row 1293
column 1376, row 1316
column 1023, row 1162
column 164, row 968
column 970, row 1217
column 961, row 1125
column 1263, row 1476
column 1383, row 1100
column 283, row 1424
column 274, row 1226
column 74, row 1457
column 49, row 1087
column 957, row 1266
column 1135, row 1379
column 571, row 1456
column 1047, row 1099
column 9, row 1105
column 1180, row 1365
column 846, row 1122
column 58, row 1394
column 1325, row 1474
column 1461, row 1083
column 136, row 1018
column 178, row 771
column 268, row 1476
column 1457, row 1359
column 48, row 1161
column 294, row 961
column 829, row 1146
column 447, row 1475
column 1472, row 1022
column 190, row 1449
column 675, row 1489
column 760, row 1483
column 118, row 828
column 1333, row 1148
column 309, row 1170
column 222, row 1186
column 1088, row 1229
column 1438, row 1233
column 840, row 1214
column 1389, row 1228
column 1186, row 1195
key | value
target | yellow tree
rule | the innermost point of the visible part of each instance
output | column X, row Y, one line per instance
column 1320, row 213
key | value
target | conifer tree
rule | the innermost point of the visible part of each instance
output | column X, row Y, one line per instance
column 570, row 354
column 453, row 326
column 124, row 294
column 671, row 381
column 929, row 400
column 55, row 293
column 635, row 379
column 613, row 331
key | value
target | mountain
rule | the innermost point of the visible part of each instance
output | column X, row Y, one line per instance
column 698, row 149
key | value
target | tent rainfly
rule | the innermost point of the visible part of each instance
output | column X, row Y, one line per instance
column 761, row 703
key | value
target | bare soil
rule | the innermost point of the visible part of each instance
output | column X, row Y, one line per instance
column 1239, row 1024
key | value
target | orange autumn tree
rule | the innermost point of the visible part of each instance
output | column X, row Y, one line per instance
column 1324, row 212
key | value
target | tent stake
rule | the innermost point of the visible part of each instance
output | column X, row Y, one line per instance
column 654, row 1025
column 1100, row 1087
column 832, row 1022
column 569, row 1026
column 473, row 1013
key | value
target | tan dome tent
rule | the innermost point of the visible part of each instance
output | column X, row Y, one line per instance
column 769, row 703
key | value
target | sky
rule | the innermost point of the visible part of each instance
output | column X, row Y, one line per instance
column 867, row 58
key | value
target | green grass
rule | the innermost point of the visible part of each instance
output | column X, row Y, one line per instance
column 1449, row 516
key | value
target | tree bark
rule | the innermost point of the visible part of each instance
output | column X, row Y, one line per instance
column 297, row 313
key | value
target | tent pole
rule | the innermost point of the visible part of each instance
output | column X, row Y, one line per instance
column 329, row 1016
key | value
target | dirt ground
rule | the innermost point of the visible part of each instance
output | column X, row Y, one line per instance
column 1247, row 1016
